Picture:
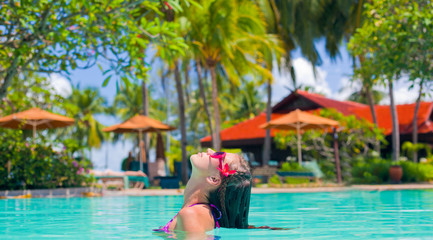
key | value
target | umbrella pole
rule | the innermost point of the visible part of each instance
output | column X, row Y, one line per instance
column 337, row 156
column 140, row 137
column 298, row 131
column 34, row 133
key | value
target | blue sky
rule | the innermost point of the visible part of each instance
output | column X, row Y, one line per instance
column 332, row 79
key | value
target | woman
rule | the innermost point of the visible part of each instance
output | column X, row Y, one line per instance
column 216, row 195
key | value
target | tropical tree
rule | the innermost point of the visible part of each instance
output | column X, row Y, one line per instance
column 417, row 29
column 59, row 36
column 203, row 94
column 225, row 33
column 83, row 105
column 36, row 91
column 362, row 96
column 380, row 39
column 299, row 24
column 170, row 51
column 128, row 102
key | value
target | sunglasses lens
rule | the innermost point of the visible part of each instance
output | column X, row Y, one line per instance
column 217, row 154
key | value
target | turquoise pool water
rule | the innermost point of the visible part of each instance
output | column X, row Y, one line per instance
column 339, row 215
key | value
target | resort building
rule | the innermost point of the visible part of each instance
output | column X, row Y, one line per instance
column 250, row 138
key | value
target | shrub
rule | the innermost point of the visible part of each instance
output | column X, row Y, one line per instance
column 416, row 172
column 30, row 166
column 371, row 171
column 328, row 169
column 376, row 171
column 292, row 167
column 293, row 180
column 275, row 180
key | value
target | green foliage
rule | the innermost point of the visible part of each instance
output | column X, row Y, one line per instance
column 30, row 166
column 59, row 36
column 274, row 180
column 27, row 91
column 296, row 180
column 396, row 37
column 376, row 171
column 416, row 172
column 373, row 171
column 355, row 138
column 408, row 148
column 292, row 167
column 328, row 169
column 83, row 105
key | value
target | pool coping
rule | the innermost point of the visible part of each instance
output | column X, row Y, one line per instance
column 50, row 193
column 80, row 192
column 174, row 192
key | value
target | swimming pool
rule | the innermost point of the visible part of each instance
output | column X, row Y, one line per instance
column 340, row 215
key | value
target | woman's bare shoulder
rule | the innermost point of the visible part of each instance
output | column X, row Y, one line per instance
column 195, row 219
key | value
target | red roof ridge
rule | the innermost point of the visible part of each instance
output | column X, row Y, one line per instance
column 306, row 94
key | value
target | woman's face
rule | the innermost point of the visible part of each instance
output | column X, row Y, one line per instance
column 204, row 165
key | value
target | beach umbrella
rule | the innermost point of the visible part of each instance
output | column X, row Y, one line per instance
column 139, row 124
column 299, row 120
column 35, row 119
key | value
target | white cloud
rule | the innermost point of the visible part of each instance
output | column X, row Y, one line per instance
column 304, row 76
column 402, row 93
column 60, row 84
column 347, row 88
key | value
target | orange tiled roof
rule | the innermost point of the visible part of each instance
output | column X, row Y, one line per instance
column 321, row 102
column 405, row 115
column 249, row 129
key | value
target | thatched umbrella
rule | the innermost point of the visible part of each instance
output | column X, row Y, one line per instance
column 299, row 120
column 35, row 119
column 139, row 124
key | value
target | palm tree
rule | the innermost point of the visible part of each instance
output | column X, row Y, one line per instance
column 362, row 97
column 128, row 102
column 202, row 88
column 83, row 105
column 171, row 56
column 224, row 33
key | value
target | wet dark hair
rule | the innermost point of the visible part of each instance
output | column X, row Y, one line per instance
column 232, row 197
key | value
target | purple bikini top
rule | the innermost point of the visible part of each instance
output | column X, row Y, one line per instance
column 167, row 226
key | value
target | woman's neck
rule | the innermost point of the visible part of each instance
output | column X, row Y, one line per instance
column 194, row 193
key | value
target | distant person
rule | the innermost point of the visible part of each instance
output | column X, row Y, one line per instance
column 161, row 171
column 126, row 163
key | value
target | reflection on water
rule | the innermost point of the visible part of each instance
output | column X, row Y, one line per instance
column 341, row 215
column 185, row 235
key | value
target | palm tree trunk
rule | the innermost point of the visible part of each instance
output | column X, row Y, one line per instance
column 216, row 110
column 205, row 104
column 145, row 100
column 267, row 145
column 415, row 124
column 395, row 126
column 183, row 141
column 186, row 75
column 370, row 101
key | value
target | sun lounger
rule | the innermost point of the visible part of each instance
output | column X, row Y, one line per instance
column 126, row 180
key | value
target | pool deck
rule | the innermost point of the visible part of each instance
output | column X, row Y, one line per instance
column 97, row 192
column 171, row 192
